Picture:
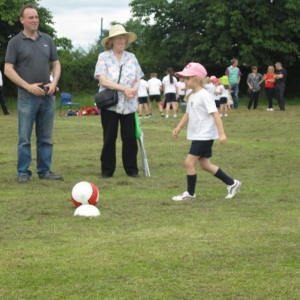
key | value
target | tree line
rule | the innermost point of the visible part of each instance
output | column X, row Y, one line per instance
column 173, row 33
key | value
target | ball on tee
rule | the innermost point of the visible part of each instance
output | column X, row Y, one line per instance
column 89, row 211
column 84, row 193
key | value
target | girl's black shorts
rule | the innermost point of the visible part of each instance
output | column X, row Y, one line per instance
column 202, row 148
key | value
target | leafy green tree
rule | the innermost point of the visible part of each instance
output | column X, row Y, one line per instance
column 10, row 24
column 214, row 31
column 147, row 53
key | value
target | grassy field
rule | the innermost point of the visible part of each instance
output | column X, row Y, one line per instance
column 144, row 245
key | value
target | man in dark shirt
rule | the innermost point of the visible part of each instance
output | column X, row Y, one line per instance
column 280, row 76
column 27, row 65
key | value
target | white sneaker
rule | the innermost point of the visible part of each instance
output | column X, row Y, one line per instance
column 221, row 115
column 271, row 109
column 140, row 117
column 175, row 116
column 146, row 117
column 232, row 189
column 167, row 116
column 184, row 196
column 268, row 109
column 226, row 115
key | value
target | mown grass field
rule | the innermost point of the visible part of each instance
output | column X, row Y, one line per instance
column 144, row 245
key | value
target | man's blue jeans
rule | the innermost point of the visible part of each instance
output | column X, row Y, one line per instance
column 41, row 111
column 235, row 89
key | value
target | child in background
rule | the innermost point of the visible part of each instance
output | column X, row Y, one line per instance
column 218, row 90
column 143, row 98
column 181, row 89
column 209, row 86
column 155, row 88
column 204, row 126
column 229, row 99
column 171, row 92
column 223, row 101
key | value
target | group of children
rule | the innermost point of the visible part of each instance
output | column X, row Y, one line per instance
column 175, row 92
column 154, row 87
column 219, row 89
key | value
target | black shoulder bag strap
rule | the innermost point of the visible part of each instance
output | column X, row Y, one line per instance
column 120, row 74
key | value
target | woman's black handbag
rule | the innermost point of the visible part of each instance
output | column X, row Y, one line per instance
column 107, row 97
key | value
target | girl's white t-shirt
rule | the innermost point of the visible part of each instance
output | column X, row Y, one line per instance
column 142, row 91
column 168, row 86
column 218, row 89
column 180, row 86
column 201, row 124
column 154, row 85
column 224, row 93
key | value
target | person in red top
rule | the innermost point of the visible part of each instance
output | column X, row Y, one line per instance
column 270, row 86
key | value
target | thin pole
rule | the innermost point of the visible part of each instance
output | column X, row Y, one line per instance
column 101, row 34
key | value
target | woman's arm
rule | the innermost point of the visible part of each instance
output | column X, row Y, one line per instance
column 271, row 79
column 248, row 82
column 261, row 79
column 108, row 84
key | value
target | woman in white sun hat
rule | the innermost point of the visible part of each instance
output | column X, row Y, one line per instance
column 204, row 126
column 107, row 71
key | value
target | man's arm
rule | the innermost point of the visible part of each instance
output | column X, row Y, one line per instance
column 34, row 88
column 56, row 69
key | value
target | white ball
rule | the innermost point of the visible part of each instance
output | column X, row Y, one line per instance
column 87, row 211
column 84, row 193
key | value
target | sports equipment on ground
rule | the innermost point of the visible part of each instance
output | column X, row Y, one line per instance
column 87, row 211
column 140, row 137
column 84, row 193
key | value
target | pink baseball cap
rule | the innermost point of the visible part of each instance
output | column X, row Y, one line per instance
column 213, row 78
column 192, row 69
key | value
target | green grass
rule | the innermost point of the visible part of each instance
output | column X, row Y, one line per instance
column 144, row 245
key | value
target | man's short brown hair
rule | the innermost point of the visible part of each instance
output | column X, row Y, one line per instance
column 29, row 5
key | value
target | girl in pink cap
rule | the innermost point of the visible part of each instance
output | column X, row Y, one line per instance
column 204, row 126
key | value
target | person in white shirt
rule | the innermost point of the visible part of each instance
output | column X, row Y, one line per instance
column 143, row 98
column 223, row 100
column 204, row 126
column 209, row 86
column 171, row 92
column 218, row 90
column 181, row 89
column 155, row 88
column 2, row 101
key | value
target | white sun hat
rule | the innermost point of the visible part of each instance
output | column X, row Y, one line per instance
column 116, row 30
